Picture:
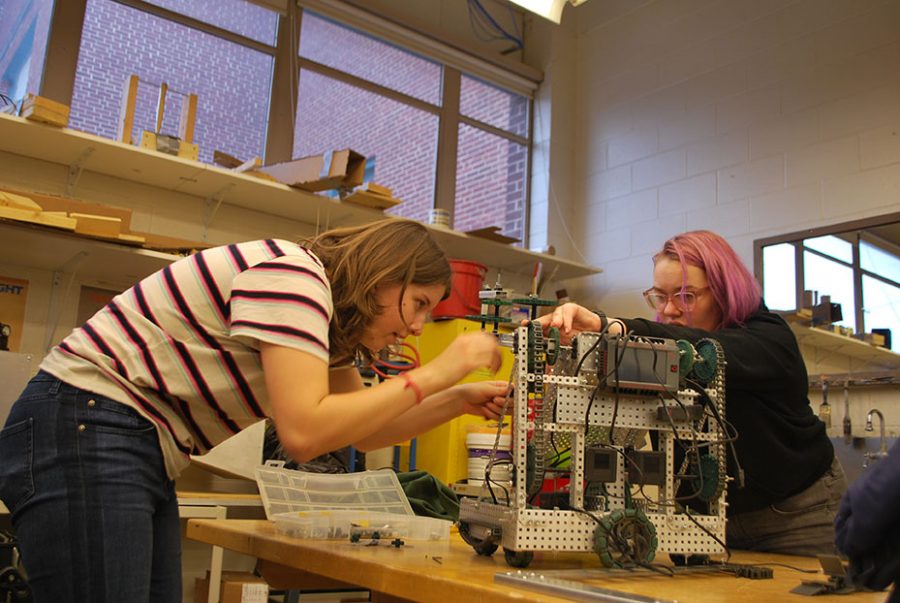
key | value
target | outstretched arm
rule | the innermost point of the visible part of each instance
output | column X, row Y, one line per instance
column 572, row 319
column 311, row 419
column 484, row 398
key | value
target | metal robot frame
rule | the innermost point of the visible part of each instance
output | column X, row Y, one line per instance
column 624, row 503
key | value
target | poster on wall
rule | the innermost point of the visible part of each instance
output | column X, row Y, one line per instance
column 91, row 300
column 13, row 295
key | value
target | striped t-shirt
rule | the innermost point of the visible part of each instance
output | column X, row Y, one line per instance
column 182, row 345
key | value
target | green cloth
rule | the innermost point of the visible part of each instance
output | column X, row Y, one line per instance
column 429, row 496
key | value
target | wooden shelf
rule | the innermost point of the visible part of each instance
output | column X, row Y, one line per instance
column 100, row 155
column 112, row 263
column 846, row 346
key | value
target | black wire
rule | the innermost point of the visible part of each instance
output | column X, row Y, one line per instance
column 785, row 565
column 710, row 534
column 730, row 440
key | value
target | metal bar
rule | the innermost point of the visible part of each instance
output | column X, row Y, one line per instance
column 570, row 589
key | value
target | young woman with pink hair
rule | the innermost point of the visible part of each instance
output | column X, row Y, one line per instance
column 788, row 482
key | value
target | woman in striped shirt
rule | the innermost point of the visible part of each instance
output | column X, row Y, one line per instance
column 196, row 352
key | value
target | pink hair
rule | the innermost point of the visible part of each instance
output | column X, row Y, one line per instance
column 734, row 289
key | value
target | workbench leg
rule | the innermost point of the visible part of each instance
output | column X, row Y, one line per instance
column 215, row 563
column 215, row 574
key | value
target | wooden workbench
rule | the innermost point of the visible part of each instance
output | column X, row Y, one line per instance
column 451, row 571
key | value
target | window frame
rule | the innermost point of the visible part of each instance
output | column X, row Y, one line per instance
column 853, row 232
column 58, row 79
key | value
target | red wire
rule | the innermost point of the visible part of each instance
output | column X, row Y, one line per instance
column 414, row 361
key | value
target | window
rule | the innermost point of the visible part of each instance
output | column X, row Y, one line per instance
column 490, row 182
column 24, row 25
column 399, row 141
column 832, row 246
column 359, row 92
column 835, row 279
column 494, row 106
column 232, row 81
column 362, row 56
column 778, row 276
column 858, row 265
column 237, row 16
column 439, row 127
column 880, row 303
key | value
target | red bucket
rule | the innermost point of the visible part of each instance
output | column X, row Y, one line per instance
column 464, row 287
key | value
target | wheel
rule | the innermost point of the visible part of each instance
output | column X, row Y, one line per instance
column 518, row 558
column 13, row 585
column 484, row 547
column 625, row 538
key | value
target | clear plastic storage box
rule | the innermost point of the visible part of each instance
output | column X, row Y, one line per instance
column 360, row 525
column 283, row 490
column 326, row 505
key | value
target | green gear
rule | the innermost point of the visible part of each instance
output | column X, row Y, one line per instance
column 628, row 533
column 709, row 470
column 685, row 357
column 707, row 361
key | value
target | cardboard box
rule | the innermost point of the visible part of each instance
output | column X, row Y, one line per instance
column 237, row 587
column 334, row 169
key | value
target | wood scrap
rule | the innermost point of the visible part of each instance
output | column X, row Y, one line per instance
column 44, row 110
column 234, row 164
column 225, row 160
column 492, row 233
column 378, row 189
column 18, row 201
column 98, row 226
column 131, row 239
column 37, row 217
column 371, row 200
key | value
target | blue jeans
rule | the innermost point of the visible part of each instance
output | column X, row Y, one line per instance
column 802, row 524
column 94, row 513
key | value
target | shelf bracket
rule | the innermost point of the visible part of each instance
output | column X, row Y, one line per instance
column 75, row 170
column 211, row 207
column 57, row 301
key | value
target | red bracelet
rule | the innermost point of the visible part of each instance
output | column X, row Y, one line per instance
column 410, row 384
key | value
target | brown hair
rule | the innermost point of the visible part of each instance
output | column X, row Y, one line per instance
column 358, row 259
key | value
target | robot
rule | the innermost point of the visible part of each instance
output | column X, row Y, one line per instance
column 584, row 477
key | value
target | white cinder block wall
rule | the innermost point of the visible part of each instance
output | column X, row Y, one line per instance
column 748, row 117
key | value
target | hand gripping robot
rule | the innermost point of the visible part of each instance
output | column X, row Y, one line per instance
column 581, row 417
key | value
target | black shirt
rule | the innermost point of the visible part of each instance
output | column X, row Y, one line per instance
column 782, row 446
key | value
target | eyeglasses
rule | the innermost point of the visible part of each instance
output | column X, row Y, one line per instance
column 683, row 300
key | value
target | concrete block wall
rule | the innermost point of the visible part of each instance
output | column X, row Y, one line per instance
column 747, row 118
